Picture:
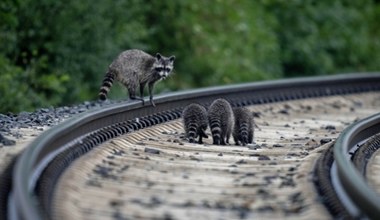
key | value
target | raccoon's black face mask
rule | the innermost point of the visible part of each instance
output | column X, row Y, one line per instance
column 163, row 65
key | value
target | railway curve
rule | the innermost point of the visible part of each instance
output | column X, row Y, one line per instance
column 40, row 166
column 351, row 171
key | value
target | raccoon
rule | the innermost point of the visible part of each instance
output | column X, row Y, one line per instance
column 195, row 122
column 221, row 121
column 243, row 128
column 135, row 68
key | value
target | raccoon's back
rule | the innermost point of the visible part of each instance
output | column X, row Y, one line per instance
column 132, row 59
column 243, row 120
column 243, row 116
column 220, row 113
column 195, row 114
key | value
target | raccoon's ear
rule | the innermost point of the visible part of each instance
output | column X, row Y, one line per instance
column 158, row 56
column 171, row 59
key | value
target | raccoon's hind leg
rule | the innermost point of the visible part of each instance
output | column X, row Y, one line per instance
column 201, row 134
column 228, row 137
column 224, row 137
column 132, row 93
column 200, row 140
column 236, row 140
column 250, row 136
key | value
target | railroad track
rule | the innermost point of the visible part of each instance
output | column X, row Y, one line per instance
column 137, row 143
column 343, row 172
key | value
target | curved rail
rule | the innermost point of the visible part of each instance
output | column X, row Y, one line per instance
column 352, row 180
column 41, row 152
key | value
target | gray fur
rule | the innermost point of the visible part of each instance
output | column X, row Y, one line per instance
column 221, row 121
column 134, row 69
column 195, row 122
column 243, row 129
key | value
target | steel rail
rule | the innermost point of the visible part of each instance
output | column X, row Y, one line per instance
column 351, row 178
column 38, row 154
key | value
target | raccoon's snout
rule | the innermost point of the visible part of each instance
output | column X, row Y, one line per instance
column 164, row 75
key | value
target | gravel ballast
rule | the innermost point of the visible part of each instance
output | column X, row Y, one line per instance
column 11, row 124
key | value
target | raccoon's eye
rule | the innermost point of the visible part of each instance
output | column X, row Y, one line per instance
column 159, row 69
column 167, row 69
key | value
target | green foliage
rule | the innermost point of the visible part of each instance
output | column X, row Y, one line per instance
column 57, row 52
column 217, row 43
column 321, row 37
column 19, row 87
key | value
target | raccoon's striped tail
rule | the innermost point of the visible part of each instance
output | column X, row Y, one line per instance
column 243, row 131
column 106, row 85
column 216, row 131
column 192, row 132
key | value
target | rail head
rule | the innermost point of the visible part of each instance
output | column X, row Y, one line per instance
column 352, row 180
column 89, row 121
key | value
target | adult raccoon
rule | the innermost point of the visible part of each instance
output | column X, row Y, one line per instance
column 243, row 128
column 221, row 121
column 195, row 122
column 135, row 68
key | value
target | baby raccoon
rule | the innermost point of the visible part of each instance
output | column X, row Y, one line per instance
column 195, row 122
column 221, row 121
column 243, row 129
column 135, row 68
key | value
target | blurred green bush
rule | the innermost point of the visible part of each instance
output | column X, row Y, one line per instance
column 56, row 52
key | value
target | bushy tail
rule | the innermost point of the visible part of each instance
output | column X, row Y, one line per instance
column 192, row 132
column 244, row 133
column 216, row 131
column 106, row 85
